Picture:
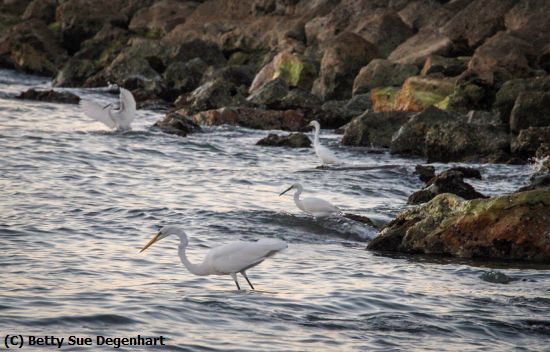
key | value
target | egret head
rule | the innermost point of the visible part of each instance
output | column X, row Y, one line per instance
column 296, row 186
column 165, row 232
column 314, row 124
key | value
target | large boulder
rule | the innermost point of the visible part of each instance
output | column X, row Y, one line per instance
column 81, row 19
column 513, row 227
column 385, row 29
column 162, row 17
column 270, row 94
column 43, row 10
column 382, row 73
column 294, row 69
column 418, row 93
column 289, row 120
column 510, row 90
column 425, row 14
column 183, row 77
column 417, row 48
column 32, row 47
column 342, row 59
column 447, row 182
column 477, row 21
column 531, row 109
column 212, row 95
column 501, row 58
column 528, row 19
column 530, row 140
column 374, row 128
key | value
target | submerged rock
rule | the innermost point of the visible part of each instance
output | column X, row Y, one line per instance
column 447, row 182
column 293, row 140
column 512, row 227
column 179, row 124
column 496, row 277
column 50, row 96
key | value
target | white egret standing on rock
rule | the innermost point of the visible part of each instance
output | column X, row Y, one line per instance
column 326, row 156
column 229, row 259
column 311, row 205
column 119, row 119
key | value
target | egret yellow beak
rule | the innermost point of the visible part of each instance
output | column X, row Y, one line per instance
column 288, row 189
column 150, row 243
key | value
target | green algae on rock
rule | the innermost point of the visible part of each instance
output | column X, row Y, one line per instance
column 510, row 227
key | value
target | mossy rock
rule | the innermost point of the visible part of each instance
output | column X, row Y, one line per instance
column 385, row 98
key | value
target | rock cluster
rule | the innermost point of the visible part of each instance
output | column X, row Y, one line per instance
column 444, row 80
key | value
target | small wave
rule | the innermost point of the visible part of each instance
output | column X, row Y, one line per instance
column 105, row 319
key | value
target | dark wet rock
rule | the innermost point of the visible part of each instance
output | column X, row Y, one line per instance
column 485, row 118
column 43, row 10
column 335, row 113
column 183, row 77
column 293, row 140
column 425, row 172
column 458, row 141
column 382, row 73
column 501, row 58
column 543, row 61
column 512, row 227
column 295, row 70
column 298, row 98
column 162, row 17
column 529, row 140
column 443, row 136
column 75, row 72
column 239, row 75
column 446, row 182
column 479, row 20
column 81, row 19
column 411, row 137
column 528, row 19
column 418, row 47
column 374, row 128
column 50, row 96
column 212, row 95
column 386, row 30
column 14, row 7
column 289, row 120
column 531, row 109
column 448, row 66
column 179, row 124
column 425, row 14
column 270, row 93
column 508, row 93
column 196, row 48
column 467, row 172
column 342, row 60
column 361, row 218
column 496, row 277
column 540, row 181
column 31, row 47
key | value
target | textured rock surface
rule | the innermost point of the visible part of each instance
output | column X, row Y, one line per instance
column 374, row 128
column 293, row 140
column 514, row 227
column 175, row 123
column 50, row 96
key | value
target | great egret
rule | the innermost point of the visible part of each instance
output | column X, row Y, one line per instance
column 229, row 259
column 311, row 205
column 119, row 119
column 326, row 156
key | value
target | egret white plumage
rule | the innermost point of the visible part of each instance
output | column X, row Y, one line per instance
column 119, row 119
column 228, row 259
column 311, row 205
column 326, row 156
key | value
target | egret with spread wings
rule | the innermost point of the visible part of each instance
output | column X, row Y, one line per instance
column 118, row 119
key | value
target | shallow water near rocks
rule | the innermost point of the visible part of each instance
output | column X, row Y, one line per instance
column 79, row 201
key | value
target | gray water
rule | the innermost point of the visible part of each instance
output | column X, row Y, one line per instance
column 79, row 201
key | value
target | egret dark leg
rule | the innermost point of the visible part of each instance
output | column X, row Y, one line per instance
column 234, row 276
column 246, row 277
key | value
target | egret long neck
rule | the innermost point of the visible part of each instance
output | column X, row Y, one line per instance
column 297, row 200
column 316, row 135
column 196, row 269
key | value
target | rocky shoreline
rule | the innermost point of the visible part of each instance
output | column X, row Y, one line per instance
column 448, row 81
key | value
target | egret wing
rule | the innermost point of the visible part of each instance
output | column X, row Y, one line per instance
column 97, row 112
column 319, row 206
column 237, row 256
column 128, row 103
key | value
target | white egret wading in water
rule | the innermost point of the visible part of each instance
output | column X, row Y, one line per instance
column 311, row 205
column 119, row 119
column 229, row 259
column 326, row 156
